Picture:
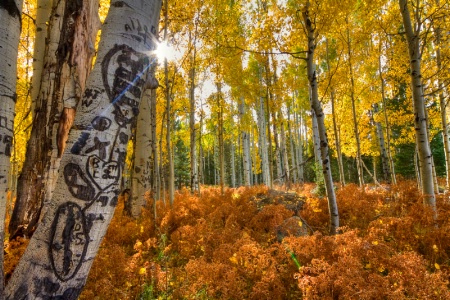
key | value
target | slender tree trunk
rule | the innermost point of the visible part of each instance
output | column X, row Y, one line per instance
column 301, row 173
column 10, row 25
column 193, row 150
column 171, row 179
column 284, row 155
column 335, row 131
column 359, row 165
column 292, row 146
column 247, row 165
column 262, row 141
column 317, row 108
column 382, row 145
column 278, row 159
column 233, row 166
column 422, row 141
column 388, row 129
column 221, row 143
column 72, row 32
column 443, row 106
column 58, row 258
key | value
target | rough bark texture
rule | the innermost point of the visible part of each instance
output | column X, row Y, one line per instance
column 44, row 9
column 58, row 258
column 10, row 25
column 317, row 108
column 72, row 30
column 420, row 121
column 141, row 178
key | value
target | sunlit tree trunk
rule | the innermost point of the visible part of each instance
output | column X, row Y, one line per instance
column 143, row 169
column 422, row 141
column 221, row 142
column 156, row 179
column 278, row 159
column 284, row 155
column 317, row 108
column 382, row 145
column 247, row 164
column 58, row 258
column 442, row 103
column 68, row 60
column 337, row 142
column 292, row 146
column 359, row 163
column 262, row 140
column 300, row 167
column 171, row 178
column 233, row 166
column 43, row 11
column 192, row 128
column 388, row 129
column 10, row 25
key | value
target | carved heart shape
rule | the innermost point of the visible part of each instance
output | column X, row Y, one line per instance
column 103, row 173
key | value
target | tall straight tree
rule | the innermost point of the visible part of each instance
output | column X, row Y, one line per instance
column 420, row 119
column 10, row 25
column 320, row 115
column 59, row 256
column 71, row 37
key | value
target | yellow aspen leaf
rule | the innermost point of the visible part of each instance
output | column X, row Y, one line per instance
column 300, row 223
column 375, row 243
column 435, row 248
column 437, row 266
column 233, row 259
column 142, row 271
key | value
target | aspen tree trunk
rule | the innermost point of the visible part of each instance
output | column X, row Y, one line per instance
column 359, row 163
column 72, row 31
column 278, row 159
column 262, row 141
column 316, row 140
column 284, row 155
column 247, row 164
column 292, row 146
column 381, row 143
column 422, row 141
column 388, row 128
column 58, row 258
column 443, row 106
column 171, row 179
column 317, row 108
column 221, row 143
column 193, row 150
column 44, row 9
column 233, row 167
column 10, row 25
column 156, row 179
column 335, row 130
column 337, row 141
column 141, row 178
column 300, row 167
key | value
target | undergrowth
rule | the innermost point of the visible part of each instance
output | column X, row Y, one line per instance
column 223, row 247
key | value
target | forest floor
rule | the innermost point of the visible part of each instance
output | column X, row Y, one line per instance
column 256, row 243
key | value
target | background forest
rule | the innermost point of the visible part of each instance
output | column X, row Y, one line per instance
column 268, row 127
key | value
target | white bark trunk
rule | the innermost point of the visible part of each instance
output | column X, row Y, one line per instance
column 422, row 141
column 141, row 177
column 59, row 256
column 247, row 164
column 44, row 9
column 317, row 108
column 262, row 140
column 10, row 25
